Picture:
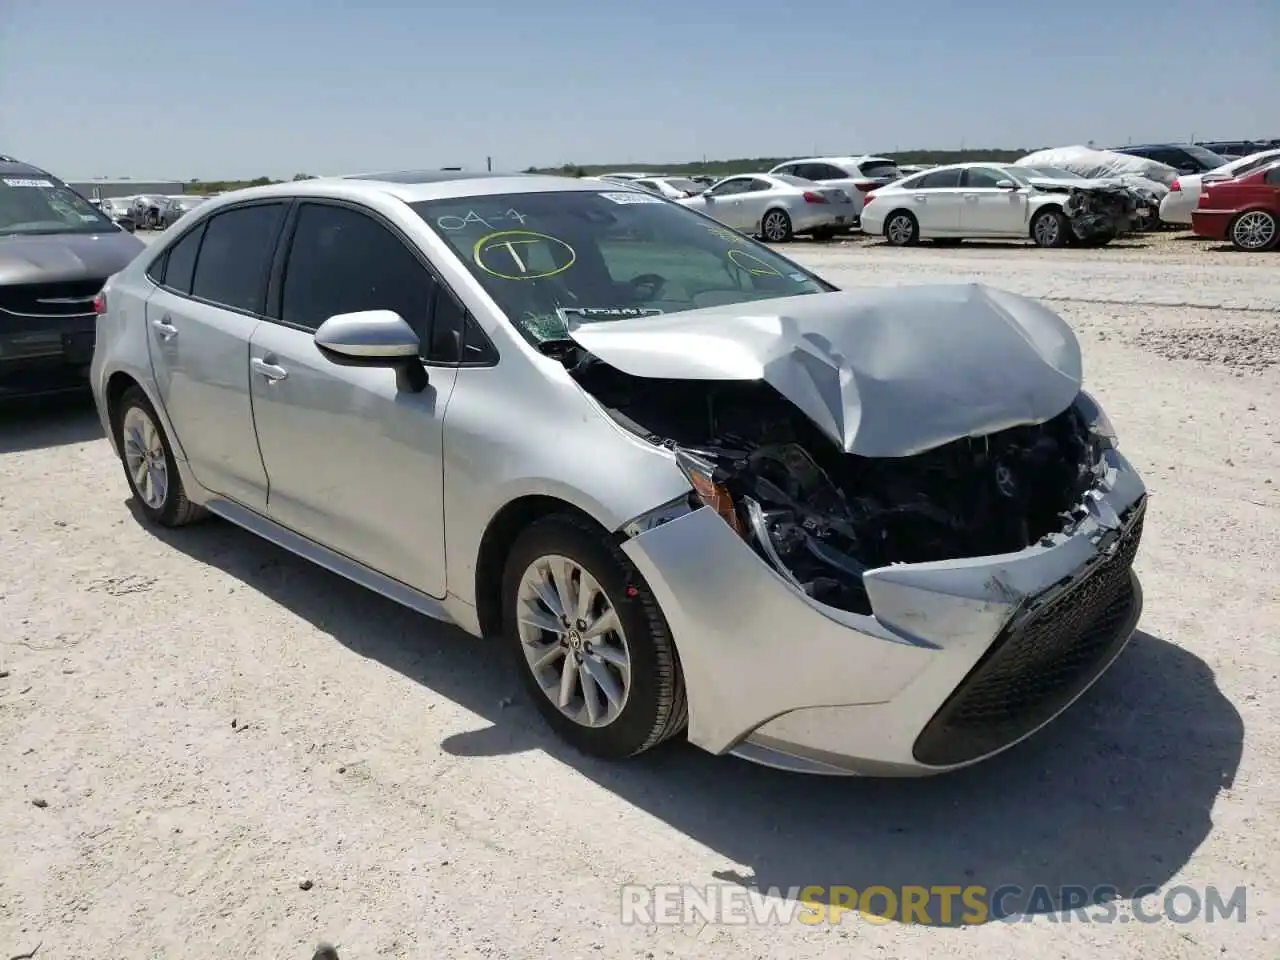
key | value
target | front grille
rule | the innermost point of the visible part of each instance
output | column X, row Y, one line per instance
column 1054, row 648
column 69, row 299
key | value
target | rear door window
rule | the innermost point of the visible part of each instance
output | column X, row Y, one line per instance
column 235, row 256
column 939, row 180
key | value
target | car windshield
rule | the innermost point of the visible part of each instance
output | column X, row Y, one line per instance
column 881, row 168
column 548, row 258
column 1207, row 157
column 688, row 186
column 38, row 203
column 1250, row 164
column 1016, row 175
column 1055, row 172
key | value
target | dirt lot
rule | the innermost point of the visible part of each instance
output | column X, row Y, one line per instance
column 194, row 727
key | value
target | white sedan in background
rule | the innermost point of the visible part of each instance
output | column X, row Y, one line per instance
column 1184, row 194
column 776, row 207
column 966, row 200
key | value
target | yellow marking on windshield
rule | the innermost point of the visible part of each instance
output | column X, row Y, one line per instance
column 510, row 248
column 761, row 269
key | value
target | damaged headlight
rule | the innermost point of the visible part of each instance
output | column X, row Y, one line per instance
column 1097, row 421
column 707, row 489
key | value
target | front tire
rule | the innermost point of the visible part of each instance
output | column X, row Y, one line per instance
column 1254, row 231
column 1050, row 229
column 590, row 642
column 775, row 226
column 149, row 464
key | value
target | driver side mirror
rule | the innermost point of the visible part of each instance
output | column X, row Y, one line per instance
column 1006, row 185
column 374, row 338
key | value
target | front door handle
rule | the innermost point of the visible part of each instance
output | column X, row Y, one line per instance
column 166, row 329
column 920, row 198
column 271, row 371
column 971, row 198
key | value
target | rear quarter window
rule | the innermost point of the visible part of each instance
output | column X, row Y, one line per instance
column 235, row 254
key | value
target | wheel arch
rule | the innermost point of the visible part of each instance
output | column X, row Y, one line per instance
column 495, row 544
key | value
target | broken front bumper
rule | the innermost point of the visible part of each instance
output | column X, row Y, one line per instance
column 960, row 660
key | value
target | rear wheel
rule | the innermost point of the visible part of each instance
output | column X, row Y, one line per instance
column 775, row 226
column 901, row 229
column 149, row 464
column 1254, row 230
column 591, row 645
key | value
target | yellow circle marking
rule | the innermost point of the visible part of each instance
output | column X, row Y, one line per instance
column 510, row 242
column 761, row 269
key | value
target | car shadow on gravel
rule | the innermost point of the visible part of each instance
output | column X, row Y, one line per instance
column 1107, row 803
column 38, row 423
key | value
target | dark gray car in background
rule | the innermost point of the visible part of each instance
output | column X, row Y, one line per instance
column 56, row 251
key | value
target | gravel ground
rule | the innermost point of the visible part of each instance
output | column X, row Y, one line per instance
column 210, row 748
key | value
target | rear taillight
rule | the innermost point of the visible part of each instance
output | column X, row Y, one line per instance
column 1176, row 186
column 868, row 198
column 811, row 197
column 99, row 303
column 867, row 185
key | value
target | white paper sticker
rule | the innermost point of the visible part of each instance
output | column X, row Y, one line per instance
column 88, row 218
column 636, row 197
column 14, row 182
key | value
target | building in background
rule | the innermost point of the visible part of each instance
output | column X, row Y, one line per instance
column 100, row 189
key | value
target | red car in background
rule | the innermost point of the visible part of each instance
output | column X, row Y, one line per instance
column 1245, row 210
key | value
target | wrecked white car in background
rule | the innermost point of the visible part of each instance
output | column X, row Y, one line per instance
column 1146, row 180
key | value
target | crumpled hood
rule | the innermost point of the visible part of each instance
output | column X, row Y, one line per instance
column 54, row 258
column 885, row 372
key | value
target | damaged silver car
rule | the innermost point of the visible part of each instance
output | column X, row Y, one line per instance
column 694, row 488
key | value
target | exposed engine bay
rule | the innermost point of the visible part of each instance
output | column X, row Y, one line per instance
column 822, row 517
column 1100, row 213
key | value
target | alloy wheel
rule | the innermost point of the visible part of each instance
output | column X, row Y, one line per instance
column 573, row 641
column 144, row 458
column 1047, row 231
column 900, row 230
column 1255, row 230
column 775, row 226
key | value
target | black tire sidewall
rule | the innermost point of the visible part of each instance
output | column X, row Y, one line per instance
column 632, row 731
column 167, row 513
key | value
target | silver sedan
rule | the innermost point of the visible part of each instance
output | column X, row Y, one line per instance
column 776, row 206
column 695, row 490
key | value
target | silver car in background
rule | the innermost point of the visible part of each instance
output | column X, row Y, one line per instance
column 776, row 206
column 692, row 487
column 175, row 208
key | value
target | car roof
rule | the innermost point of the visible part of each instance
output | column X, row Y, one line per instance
column 10, row 165
column 858, row 158
column 414, row 186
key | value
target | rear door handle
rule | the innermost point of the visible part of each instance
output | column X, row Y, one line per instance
column 920, row 198
column 166, row 329
column 268, row 370
column 971, row 197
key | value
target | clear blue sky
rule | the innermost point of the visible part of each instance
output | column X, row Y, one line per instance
column 146, row 88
